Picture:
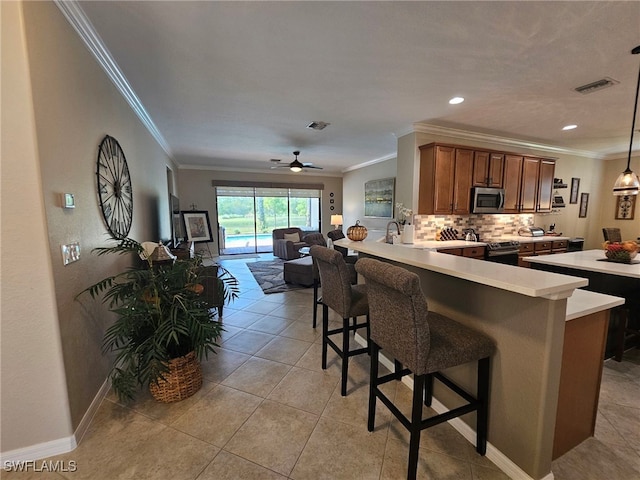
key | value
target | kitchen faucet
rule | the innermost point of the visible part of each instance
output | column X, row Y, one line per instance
column 388, row 237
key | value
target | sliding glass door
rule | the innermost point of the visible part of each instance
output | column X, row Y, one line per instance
column 248, row 215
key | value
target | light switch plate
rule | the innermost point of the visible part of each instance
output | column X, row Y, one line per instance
column 70, row 253
column 68, row 200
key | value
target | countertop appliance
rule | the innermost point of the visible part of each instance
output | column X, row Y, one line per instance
column 487, row 200
column 505, row 252
column 531, row 232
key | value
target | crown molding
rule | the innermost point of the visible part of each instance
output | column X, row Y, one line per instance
column 257, row 170
column 510, row 142
column 368, row 163
column 81, row 24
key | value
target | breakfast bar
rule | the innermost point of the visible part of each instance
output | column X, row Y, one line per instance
column 526, row 312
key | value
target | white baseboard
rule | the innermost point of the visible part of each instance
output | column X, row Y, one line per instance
column 83, row 426
column 60, row 445
column 501, row 461
column 39, row 451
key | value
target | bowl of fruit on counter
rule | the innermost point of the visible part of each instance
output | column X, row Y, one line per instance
column 621, row 252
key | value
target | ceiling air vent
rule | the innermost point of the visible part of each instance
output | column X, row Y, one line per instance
column 598, row 85
column 318, row 125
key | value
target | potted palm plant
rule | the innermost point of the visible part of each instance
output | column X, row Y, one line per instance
column 164, row 324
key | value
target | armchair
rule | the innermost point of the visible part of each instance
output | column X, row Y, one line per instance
column 287, row 245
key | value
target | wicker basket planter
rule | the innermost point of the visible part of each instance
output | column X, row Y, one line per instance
column 183, row 379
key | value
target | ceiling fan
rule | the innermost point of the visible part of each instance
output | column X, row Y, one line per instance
column 295, row 166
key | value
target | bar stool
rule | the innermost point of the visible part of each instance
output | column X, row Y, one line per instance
column 317, row 300
column 347, row 300
column 424, row 342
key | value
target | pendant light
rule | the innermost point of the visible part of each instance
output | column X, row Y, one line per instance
column 628, row 182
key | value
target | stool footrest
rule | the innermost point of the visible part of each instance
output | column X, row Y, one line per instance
column 339, row 351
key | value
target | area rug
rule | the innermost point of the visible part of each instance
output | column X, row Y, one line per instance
column 270, row 276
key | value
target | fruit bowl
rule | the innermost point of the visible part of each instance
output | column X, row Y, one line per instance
column 621, row 252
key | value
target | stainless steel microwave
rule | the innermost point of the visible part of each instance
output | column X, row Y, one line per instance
column 487, row 200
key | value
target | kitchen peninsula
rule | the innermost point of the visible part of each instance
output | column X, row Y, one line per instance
column 525, row 311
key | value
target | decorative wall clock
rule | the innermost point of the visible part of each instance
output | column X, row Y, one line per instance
column 114, row 188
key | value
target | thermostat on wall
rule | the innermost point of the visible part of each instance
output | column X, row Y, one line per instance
column 68, row 200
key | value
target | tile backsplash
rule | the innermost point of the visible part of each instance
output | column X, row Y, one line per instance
column 487, row 227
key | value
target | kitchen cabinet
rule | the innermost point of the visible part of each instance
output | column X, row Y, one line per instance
column 528, row 184
column 474, row 252
column 525, row 250
column 559, row 246
column 511, row 181
column 469, row 252
column 545, row 185
column 541, row 247
column 487, row 169
column 445, row 180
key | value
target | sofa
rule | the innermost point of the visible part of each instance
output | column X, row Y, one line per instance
column 287, row 242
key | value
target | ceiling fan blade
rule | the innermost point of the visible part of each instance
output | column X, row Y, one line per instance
column 310, row 165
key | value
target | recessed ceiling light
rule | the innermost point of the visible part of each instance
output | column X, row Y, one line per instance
column 456, row 100
column 569, row 127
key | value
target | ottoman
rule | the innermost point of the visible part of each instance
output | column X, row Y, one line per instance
column 299, row 271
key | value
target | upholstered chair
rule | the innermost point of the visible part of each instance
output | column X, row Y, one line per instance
column 424, row 343
column 338, row 235
column 347, row 300
column 612, row 234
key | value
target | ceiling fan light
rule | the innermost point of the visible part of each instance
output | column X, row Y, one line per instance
column 627, row 183
column 295, row 168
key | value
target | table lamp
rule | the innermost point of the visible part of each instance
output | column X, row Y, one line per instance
column 336, row 220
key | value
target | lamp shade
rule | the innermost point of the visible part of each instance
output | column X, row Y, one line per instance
column 627, row 184
column 336, row 220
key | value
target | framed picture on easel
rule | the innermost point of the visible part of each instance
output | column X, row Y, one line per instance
column 197, row 226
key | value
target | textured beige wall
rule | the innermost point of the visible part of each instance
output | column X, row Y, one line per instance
column 34, row 405
column 353, row 186
column 195, row 187
column 74, row 106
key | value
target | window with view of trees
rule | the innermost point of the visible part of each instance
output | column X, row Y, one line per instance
column 247, row 215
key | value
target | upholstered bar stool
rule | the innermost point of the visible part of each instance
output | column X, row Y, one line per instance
column 346, row 300
column 424, row 343
column 335, row 235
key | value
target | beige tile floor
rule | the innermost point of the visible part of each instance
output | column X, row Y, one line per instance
column 268, row 411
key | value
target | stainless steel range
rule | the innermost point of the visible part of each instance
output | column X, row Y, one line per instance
column 503, row 252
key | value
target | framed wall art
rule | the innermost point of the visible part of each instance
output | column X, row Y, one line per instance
column 584, row 204
column 197, row 226
column 625, row 207
column 378, row 198
column 575, row 186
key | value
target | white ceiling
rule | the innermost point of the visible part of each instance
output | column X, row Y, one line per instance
column 234, row 84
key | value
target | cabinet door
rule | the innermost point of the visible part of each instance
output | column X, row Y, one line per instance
column 487, row 169
column 496, row 163
column 462, row 181
column 511, row 183
column 480, row 169
column 529, row 189
column 444, row 179
column 545, row 185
